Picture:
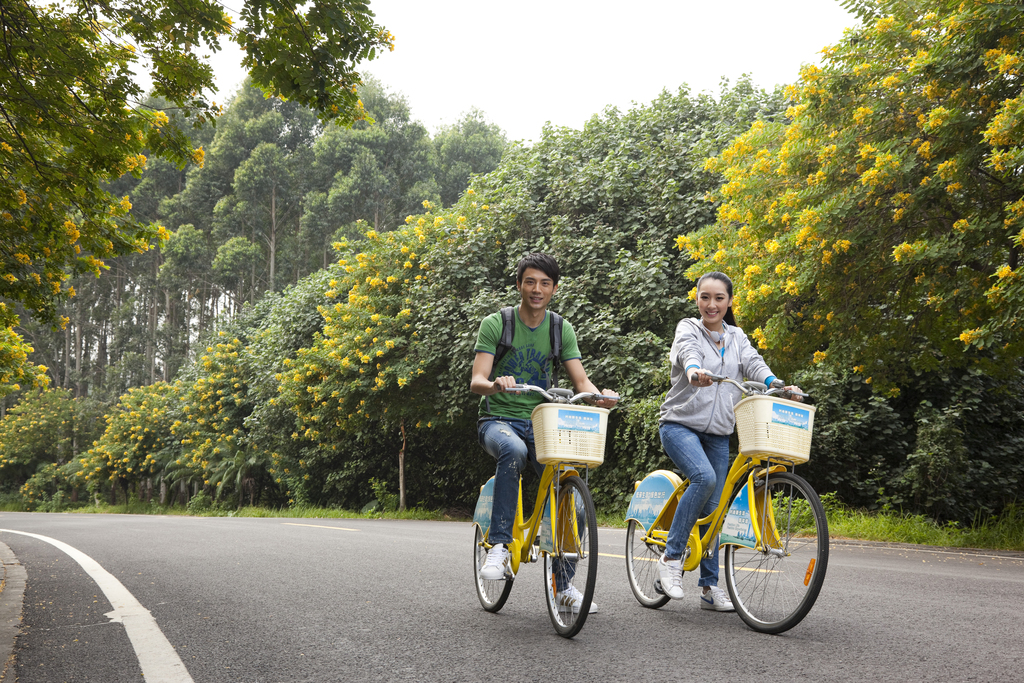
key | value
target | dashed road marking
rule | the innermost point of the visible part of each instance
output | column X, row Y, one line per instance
column 320, row 526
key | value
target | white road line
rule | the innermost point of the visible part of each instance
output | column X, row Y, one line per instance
column 320, row 526
column 159, row 662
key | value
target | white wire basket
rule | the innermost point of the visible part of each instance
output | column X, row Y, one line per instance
column 775, row 427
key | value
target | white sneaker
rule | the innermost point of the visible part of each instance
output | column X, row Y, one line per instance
column 670, row 572
column 494, row 568
column 571, row 599
column 716, row 599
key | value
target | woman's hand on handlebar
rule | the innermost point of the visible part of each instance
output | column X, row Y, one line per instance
column 699, row 377
column 607, row 402
column 794, row 393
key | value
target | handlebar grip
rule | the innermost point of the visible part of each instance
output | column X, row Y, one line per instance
column 717, row 378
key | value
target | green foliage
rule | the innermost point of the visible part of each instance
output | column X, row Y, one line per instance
column 74, row 121
column 471, row 146
column 392, row 362
column 388, row 501
column 880, row 227
column 635, row 451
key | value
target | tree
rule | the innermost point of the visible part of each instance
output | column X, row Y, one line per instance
column 880, row 228
column 378, row 173
column 72, row 119
column 470, row 146
column 363, row 372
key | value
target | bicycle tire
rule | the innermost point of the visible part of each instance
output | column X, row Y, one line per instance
column 642, row 567
column 774, row 590
column 492, row 594
column 575, row 563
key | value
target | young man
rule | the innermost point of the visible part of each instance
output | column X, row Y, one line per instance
column 504, row 428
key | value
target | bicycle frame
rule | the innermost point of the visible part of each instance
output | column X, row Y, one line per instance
column 745, row 469
column 525, row 531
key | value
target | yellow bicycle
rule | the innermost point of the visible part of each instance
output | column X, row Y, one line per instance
column 772, row 523
column 562, row 529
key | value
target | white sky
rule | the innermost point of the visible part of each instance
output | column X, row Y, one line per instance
column 530, row 61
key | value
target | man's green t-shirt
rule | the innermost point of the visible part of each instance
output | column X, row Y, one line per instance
column 527, row 361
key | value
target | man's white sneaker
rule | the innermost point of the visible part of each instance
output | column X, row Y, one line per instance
column 496, row 564
column 571, row 599
column 670, row 572
column 716, row 599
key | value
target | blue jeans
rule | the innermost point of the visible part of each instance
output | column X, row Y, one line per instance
column 509, row 440
column 704, row 460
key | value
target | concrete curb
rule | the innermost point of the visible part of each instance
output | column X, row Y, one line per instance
column 12, row 595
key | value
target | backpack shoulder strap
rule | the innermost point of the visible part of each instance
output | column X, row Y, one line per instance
column 508, row 333
column 556, row 347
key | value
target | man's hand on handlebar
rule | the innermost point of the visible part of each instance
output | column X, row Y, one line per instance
column 606, row 402
column 505, row 383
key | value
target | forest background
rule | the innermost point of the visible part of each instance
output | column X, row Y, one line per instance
column 299, row 328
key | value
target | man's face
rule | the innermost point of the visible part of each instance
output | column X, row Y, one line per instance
column 536, row 289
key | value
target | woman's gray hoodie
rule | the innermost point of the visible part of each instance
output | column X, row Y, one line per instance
column 709, row 409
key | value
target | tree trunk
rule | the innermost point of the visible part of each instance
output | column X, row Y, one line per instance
column 169, row 326
column 273, row 233
column 401, row 470
column 78, row 351
column 100, row 375
column 67, row 358
column 163, row 491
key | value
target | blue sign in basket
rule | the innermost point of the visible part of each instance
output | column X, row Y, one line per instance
column 579, row 421
column 790, row 416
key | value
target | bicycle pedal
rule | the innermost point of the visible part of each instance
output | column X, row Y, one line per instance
column 657, row 587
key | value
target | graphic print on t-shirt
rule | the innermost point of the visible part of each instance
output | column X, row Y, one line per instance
column 527, row 365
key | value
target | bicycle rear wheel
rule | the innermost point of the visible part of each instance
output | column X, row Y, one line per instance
column 492, row 594
column 571, row 572
column 774, row 589
column 642, row 567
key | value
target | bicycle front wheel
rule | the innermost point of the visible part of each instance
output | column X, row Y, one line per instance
column 571, row 572
column 774, row 588
column 492, row 594
column 642, row 567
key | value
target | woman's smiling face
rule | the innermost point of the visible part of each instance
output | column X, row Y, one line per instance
column 713, row 301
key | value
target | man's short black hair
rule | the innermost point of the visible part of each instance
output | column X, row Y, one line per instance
column 541, row 262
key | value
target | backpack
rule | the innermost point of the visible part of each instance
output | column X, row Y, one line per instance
column 508, row 330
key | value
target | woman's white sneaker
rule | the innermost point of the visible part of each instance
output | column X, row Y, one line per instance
column 570, row 600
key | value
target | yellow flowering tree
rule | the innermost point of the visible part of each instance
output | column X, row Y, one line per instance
column 215, row 404
column 879, row 228
column 40, row 437
column 137, row 444
column 363, row 371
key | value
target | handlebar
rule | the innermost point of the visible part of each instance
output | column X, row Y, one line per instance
column 559, row 395
column 758, row 388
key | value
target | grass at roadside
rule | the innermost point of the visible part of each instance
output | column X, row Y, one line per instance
column 1005, row 532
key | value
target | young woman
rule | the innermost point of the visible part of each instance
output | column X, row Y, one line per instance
column 696, row 423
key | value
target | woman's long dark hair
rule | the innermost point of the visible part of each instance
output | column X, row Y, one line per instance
column 729, row 318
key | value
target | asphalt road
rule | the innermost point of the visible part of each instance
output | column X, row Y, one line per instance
column 292, row 600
